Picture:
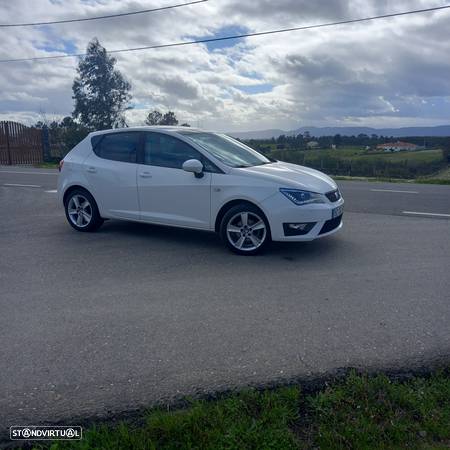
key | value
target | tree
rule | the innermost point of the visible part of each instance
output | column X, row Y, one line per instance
column 157, row 118
column 337, row 140
column 169, row 118
column 64, row 135
column 299, row 141
column 153, row 118
column 39, row 124
column 67, row 122
column 100, row 91
column 53, row 125
column 446, row 150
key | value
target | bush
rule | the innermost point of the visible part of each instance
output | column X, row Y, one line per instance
column 63, row 136
column 446, row 152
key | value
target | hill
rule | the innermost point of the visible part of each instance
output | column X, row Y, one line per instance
column 441, row 130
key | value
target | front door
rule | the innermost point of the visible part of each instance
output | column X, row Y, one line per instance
column 167, row 194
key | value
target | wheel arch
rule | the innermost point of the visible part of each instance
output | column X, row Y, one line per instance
column 95, row 219
column 74, row 187
column 230, row 204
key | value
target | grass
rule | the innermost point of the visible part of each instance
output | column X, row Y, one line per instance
column 432, row 181
column 359, row 154
column 47, row 165
column 440, row 177
column 360, row 412
column 356, row 161
column 355, row 153
column 375, row 179
column 420, row 180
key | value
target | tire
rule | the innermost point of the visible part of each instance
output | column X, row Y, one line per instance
column 238, row 232
column 82, row 211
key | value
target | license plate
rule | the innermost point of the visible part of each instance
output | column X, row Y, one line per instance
column 337, row 211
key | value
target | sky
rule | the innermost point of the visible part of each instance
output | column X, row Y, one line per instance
column 386, row 73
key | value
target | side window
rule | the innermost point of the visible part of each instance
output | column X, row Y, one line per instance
column 119, row 147
column 167, row 151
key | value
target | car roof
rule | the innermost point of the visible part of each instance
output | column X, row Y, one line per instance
column 163, row 128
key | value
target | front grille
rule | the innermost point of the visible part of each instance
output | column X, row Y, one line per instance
column 333, row 196
column 331, row 224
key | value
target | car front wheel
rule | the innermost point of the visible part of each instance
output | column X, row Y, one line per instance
column 245, row 229
column 81, row 211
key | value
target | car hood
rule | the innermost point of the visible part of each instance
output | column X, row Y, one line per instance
column 291, row 175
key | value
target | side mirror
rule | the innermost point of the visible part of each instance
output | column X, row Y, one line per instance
column 194, row 166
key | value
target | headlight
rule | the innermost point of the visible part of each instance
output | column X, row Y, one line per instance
column 302, row 197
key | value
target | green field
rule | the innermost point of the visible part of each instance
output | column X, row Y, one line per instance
column 358, row 413
column 356, row 153
column 356, row 161
column 425, row 166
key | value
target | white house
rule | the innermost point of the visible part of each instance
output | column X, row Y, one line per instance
column 312, row 144
column 397, row 146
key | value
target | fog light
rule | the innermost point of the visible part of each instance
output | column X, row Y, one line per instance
column 297, row 226
column 296, row 229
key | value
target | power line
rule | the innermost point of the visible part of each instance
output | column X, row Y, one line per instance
column 109, row 16
column 236, row 36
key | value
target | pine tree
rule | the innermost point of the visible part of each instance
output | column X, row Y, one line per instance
column 100, row 91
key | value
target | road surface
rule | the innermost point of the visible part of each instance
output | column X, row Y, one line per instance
column 92, row 324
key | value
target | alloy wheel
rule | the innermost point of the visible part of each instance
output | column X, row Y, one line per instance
column 246, row 231
column 79, row 210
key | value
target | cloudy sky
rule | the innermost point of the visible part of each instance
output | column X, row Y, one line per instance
column 393, row 72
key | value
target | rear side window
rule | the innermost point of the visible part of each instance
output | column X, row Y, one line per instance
column 167, row 151
column 118, row 147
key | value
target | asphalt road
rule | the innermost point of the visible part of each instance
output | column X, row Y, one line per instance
column 92, row 324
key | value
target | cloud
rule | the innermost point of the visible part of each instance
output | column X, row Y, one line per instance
column 393, row 71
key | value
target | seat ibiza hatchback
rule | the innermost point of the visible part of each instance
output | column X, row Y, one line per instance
column 195, row 179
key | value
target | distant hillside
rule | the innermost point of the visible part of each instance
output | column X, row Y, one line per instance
column 441, row 130
column 262, row 134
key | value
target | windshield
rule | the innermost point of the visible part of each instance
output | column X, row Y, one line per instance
column 231, row 152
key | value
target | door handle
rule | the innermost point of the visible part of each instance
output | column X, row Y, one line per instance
column 92, row 170
column 145, row 175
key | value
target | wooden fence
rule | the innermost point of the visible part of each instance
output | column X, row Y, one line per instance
column 20, row 144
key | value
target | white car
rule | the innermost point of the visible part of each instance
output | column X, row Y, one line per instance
column 190, row 178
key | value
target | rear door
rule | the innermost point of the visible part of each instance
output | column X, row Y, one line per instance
column 111, row 172
column 167, row 194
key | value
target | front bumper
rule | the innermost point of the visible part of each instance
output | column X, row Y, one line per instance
column 281, row 211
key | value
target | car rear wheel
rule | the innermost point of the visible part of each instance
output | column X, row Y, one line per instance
column 81, row 211
column 245, row 229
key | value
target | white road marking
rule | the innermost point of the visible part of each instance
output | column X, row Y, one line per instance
column 31, row 173
column 394, row 190
column 425, row 214
column 21, row 185
column 52, row 191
